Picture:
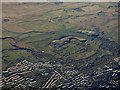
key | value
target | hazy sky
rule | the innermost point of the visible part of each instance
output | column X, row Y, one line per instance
column 60, row 0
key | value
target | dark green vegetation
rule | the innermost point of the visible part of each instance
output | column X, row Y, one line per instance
column 79, row 35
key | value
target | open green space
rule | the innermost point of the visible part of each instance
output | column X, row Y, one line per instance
column 77, row 36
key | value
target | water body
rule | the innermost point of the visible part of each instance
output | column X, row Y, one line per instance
column 83, row 41
column 5, row 19
column 8, row 38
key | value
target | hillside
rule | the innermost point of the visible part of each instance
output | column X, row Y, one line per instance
column 60, row 40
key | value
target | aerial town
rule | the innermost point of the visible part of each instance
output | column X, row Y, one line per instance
column 13, row 76
column 60, row 45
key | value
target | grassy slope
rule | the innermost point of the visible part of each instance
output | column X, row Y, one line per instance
column 25, row 18
column 44, row 18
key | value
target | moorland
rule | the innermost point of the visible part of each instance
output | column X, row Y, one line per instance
column 66, row 45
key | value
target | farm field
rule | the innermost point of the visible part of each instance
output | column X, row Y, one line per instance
column 60, row 45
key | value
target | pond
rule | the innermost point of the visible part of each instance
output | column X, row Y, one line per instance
column 5, row 19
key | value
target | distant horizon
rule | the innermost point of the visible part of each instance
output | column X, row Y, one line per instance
column 60, row 0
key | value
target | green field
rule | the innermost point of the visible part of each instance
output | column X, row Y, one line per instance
column 31, row 29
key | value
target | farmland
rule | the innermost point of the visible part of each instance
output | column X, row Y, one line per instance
column 58, row 42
